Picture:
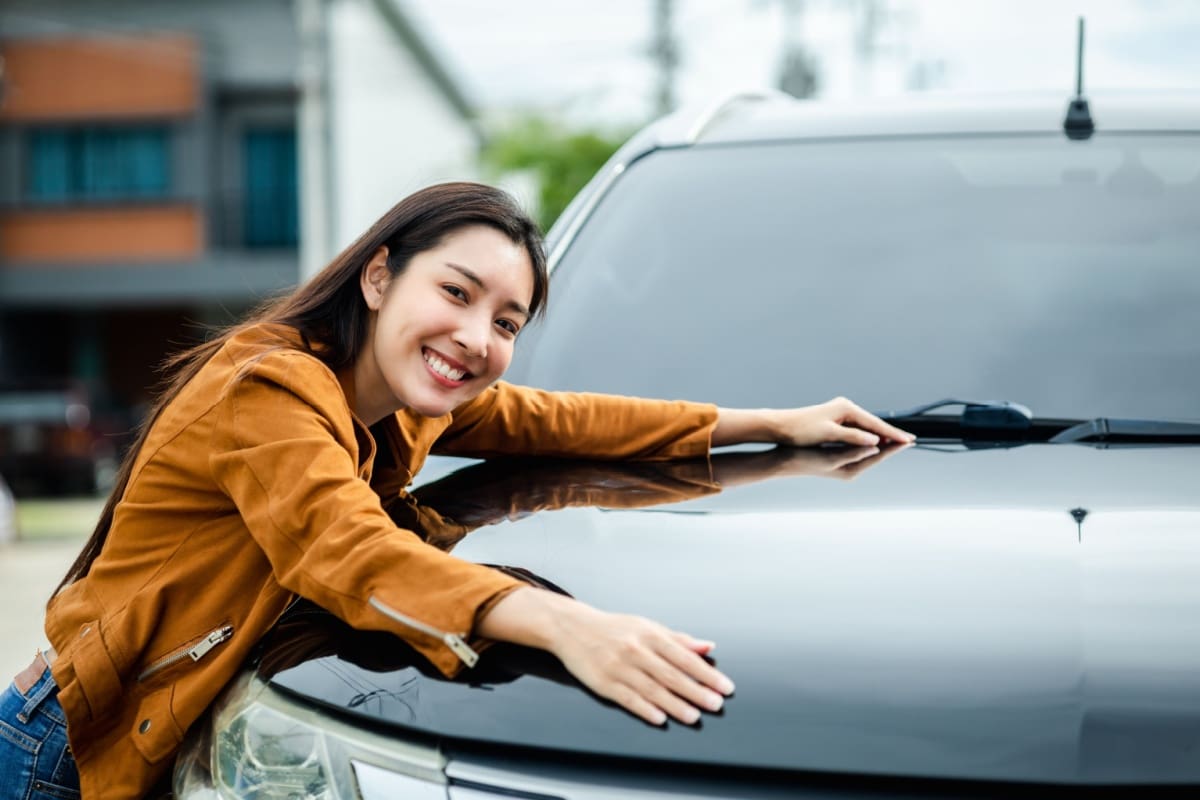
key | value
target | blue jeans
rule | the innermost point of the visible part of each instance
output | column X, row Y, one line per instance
column 35, row 762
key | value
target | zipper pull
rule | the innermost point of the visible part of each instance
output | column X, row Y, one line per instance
column 452, row 640
column 209, row 642
column 461, row 649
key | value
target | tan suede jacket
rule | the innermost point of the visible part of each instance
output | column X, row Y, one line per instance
column 257, row 484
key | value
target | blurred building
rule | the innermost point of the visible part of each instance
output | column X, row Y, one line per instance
column 165, row 165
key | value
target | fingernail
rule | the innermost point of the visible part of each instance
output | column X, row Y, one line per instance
column 726, row 686
column 714, row 701
column 693, row 716
column 660, row 718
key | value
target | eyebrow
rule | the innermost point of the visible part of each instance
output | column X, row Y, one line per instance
column 475, row 279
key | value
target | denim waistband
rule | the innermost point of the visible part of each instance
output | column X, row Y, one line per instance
column 43, row 696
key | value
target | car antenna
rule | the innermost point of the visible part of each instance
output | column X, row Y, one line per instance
column 1079, row 124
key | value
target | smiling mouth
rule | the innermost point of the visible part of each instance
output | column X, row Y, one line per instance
column 442, row 368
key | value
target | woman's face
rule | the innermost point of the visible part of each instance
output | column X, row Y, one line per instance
column 443, row 330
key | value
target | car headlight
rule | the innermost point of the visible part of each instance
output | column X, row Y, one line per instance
column 259, row 745
column 264, row 754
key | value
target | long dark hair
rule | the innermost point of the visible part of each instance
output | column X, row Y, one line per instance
column 329, row 311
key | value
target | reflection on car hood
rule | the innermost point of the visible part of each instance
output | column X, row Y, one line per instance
column 945, row 615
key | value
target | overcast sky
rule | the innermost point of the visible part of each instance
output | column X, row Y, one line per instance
column 589, row 59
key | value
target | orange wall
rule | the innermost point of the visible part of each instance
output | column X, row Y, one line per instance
column 113, row 77
column 108, row 235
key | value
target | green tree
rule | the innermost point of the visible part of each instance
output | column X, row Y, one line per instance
column 561, row 160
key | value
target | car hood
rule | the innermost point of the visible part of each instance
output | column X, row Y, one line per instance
column 1029, row 614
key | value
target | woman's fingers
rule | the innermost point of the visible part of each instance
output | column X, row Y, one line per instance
column 698, row 672
column 635, row 703
column 674, row 684
column 701, row 646
column 680, row 682
column 650, row 670
column 651, row 689
column 846, row 434
column 866, row 421
column 844, row 421
column 685, row 683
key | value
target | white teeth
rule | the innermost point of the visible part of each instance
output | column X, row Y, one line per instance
column 442, row 368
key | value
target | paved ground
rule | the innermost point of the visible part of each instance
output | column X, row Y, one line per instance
column 29, row 571
column 51, row 534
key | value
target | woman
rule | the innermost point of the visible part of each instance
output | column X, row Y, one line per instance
column 266, row 472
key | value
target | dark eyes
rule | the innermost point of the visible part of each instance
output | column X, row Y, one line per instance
column 458, row 293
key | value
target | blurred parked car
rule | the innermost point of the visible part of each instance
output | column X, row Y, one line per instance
column 1009, row 608
column 8, row 514
column 48, row 445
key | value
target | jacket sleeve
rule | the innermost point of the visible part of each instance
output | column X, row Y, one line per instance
column 285, row 451
column 517, row 420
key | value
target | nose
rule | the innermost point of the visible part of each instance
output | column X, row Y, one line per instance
column 472, row 337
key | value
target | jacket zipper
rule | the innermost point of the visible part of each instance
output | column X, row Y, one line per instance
column 195, row 651
column 452, row 640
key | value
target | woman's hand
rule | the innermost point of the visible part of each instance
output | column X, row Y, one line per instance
column 837, row 421
column 644, row 667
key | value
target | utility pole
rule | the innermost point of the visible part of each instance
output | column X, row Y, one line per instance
column 313, row 138
column 664, row 51
column 797, row 70
column 866, row 44
column 881, row 29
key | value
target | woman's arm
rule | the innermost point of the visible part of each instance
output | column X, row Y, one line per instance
column 517, row 420
column 838, row 420
column 642, row 666
column 510, row 420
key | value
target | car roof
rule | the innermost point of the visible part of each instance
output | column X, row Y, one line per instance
column 766, row 115
column 760, row 116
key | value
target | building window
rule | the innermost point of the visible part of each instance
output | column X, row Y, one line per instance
column 68, row 165
column 271, row 211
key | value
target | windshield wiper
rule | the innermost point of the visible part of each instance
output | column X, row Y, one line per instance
column 993, row 414
column 1132, row 431
column 994, row 423
column 1001, row 423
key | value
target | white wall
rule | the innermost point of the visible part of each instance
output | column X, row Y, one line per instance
column 393, row 131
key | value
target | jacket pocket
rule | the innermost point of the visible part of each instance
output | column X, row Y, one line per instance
column 93, row 674
column 194, row 650
column 155, row 732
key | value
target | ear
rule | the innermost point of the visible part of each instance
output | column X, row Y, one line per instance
column 375, row 278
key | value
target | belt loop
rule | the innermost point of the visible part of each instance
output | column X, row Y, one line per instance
column 38, row 697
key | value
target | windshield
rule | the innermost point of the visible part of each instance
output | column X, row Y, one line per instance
column 1061, row 275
